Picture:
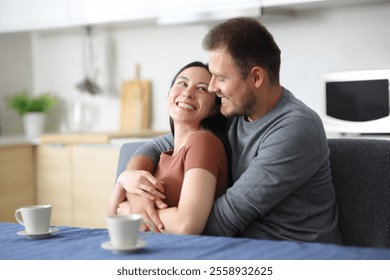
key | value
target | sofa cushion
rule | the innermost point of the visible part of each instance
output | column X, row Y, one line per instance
column 361, row 176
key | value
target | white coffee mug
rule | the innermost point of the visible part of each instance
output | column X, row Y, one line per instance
column 34, row 218
column 123, row 230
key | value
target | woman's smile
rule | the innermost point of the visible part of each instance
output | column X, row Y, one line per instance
column 187, row 106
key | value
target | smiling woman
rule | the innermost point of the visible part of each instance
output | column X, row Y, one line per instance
column 195, row 172
column 189, row 99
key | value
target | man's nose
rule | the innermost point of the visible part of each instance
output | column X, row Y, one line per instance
column 213, row 86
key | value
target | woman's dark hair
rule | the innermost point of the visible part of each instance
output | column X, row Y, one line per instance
column 217, row 123
column 249, row 43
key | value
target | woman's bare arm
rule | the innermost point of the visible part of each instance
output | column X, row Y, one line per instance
column 196, row 200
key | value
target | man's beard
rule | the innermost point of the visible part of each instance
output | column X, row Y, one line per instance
column 244, row 108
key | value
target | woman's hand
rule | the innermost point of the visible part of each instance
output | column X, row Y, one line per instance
column 117, row 196
column 141, row 183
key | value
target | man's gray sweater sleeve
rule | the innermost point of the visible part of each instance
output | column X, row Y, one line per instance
column 155, row 147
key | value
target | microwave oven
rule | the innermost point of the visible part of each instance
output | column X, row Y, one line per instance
column 357, row 102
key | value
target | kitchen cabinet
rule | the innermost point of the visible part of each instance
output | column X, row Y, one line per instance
column 76, row 174
column 16, row 179
column 77, row 180
column 93, row 177
column 53, row 174
column 27, row 15
column 107, row 11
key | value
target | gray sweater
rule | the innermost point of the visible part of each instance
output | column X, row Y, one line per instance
column 282, row 185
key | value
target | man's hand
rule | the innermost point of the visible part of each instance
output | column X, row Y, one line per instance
column 145, row 207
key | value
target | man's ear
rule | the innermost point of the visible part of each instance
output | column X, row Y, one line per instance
column 257, row 76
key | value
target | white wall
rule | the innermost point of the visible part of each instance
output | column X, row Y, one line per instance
column 312, row 42
column 15, row 75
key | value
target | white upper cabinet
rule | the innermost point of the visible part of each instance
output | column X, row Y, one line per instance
column 22, row 15
column 27, row 15
column 276, row 3
column 107, row 11
column 189, row 11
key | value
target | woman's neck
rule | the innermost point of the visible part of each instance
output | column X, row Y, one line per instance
column 181, row 136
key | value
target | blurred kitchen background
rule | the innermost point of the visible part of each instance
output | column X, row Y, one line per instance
column 45, row 46
column 110, row 63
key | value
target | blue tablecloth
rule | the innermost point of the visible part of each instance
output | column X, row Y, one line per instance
column 73, row 243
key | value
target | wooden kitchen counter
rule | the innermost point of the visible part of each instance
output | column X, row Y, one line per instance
column 98, row 137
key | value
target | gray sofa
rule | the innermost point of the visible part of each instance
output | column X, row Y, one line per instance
column 361, row 175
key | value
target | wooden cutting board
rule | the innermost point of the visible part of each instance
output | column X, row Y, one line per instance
column 135, row 104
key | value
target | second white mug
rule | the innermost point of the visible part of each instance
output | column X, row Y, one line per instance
column 123, row 230
column 34, row 218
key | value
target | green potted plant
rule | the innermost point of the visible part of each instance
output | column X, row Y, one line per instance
column 33, row 110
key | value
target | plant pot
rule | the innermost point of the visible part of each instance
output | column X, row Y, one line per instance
column 34, row 124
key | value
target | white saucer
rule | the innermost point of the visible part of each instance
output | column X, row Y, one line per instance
column 123, row 250
column 39, row 235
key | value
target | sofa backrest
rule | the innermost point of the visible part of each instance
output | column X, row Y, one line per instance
column 361, row 176
column 126, row 152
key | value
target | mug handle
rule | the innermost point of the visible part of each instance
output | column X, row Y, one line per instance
column 18, row 217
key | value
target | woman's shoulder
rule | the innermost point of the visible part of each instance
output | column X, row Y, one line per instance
column 202, row 135
column 205, row 139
